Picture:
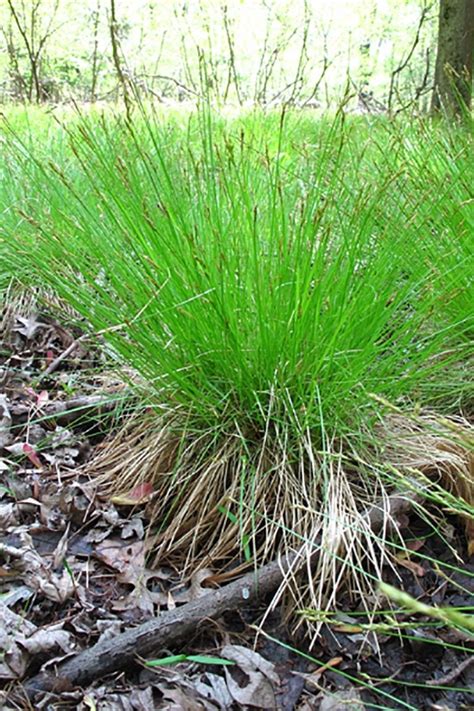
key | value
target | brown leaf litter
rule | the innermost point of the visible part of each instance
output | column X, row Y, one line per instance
column 75, row 567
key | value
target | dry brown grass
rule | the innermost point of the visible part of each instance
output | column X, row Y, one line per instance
column 283, row 497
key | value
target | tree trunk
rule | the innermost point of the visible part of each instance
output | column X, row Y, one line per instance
column 452, row 92
column 122, row 79
column 17, row 80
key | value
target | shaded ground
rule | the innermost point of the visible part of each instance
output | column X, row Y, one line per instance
column 73, row 570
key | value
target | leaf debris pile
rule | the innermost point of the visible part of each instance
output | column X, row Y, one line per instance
column 74, row 569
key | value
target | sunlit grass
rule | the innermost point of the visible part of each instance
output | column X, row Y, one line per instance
column 274, row 282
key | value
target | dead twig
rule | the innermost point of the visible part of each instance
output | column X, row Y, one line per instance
column 62, row 356
column 452, row 675
column 174, row 626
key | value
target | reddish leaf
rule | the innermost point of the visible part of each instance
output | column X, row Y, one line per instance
column 42, row 398
column 140, row 494
column 30, row 452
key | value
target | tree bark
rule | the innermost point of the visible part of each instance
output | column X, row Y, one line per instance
column 452, row 93
column 122, row 78
column 34, row 36
column 18, row 86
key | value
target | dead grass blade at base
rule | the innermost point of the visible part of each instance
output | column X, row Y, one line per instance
column 439, row 451
column 17, row 299
column 232, row 502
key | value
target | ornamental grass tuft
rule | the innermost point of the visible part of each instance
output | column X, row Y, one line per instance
column 275, row 293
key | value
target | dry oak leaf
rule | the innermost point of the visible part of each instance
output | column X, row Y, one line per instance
column 129, row 560
column 29, row 326
column 47, row 639
column 8, row 515
column 260, row 673
column 13, row 629
column 347, row 700
column 36, row 573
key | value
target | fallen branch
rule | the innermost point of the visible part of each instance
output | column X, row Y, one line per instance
column 174, row 626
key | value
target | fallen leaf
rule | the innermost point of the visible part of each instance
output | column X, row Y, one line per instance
column 196, row 589
column 61, row 549
column 127, row 558
column 139, row 599
column 16, row 449
column 415, row 568
column 29, row 326
column 183, row 701
column 32, row 455
column 249, row 660
column 108, row 629
column 13, row 628
column 140, row 494
column 16, row 594
column 41, row 398
column 57, row 588
column 347, row 700
column 216, row 690
column 5, row 422
column 129, row 561
column 36, row 573
column 258, row 692
column 134, row 527
column 8, row 515
column 47, row 639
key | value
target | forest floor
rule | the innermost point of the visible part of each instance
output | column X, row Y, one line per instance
column 73, row 570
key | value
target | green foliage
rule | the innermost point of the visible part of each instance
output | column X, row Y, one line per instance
column 249, row 273
column 280, row 49
column 196, row 658
column 449, row 616
column 276, row 284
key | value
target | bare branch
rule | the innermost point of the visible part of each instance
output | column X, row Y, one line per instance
column 424, row 14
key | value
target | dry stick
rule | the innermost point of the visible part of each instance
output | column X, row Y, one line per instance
column 452, row 675
column 62, row 356
column 174, row 626
column 85, row 337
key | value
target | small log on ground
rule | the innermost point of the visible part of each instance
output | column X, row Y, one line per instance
column 174, row 626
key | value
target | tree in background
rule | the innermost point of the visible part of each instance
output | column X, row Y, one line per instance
column 17, row 84
column 95, row 59
column 452, row 92
column 300, row 52
column 35, row 27
column 117, row 56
